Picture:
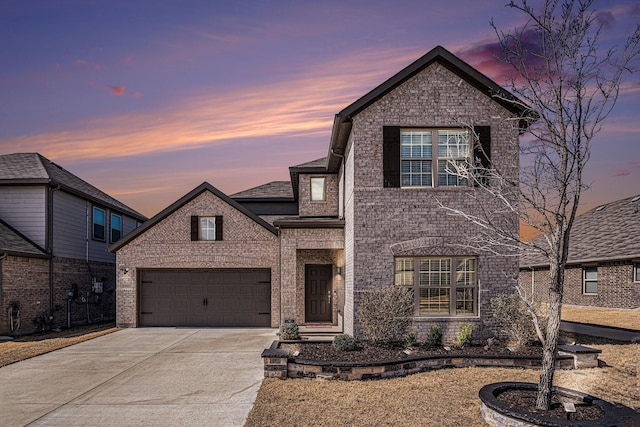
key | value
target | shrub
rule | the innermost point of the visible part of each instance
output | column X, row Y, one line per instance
column 385, row 315
column 345, row 342
column 411, row 340
column 515, row 320
column 434, row 338
column 465, row 334
column 289, row 331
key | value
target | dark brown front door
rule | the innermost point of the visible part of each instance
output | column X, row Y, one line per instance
column 318, row 289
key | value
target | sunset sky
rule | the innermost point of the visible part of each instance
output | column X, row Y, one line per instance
column 148, row 99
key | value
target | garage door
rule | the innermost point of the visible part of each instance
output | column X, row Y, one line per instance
column 239, row 297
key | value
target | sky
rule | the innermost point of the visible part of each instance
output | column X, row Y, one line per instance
column 147, row 99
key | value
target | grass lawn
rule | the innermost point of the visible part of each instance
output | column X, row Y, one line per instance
column 628, row 319
column 446, row 397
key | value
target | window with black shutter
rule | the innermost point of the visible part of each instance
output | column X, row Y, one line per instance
column 206, row 228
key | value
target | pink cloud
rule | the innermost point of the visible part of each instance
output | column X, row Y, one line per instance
column 127, row 59
column 630, row 167
column 117, row 90
column 137, row 94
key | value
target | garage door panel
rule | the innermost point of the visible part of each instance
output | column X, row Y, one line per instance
column 205, row 297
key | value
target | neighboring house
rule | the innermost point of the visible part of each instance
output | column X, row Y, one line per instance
column 359, row 219
column 603, row 267
column 55, row 231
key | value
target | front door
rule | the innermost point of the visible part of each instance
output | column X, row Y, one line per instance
column 318, row 289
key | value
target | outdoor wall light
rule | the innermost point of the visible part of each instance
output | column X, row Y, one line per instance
column 339, row 270
column 124, row 269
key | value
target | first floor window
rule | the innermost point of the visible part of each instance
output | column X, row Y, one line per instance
column 590, row 280
column 636, row 272
column 99, row 223
column 441, row 286
column 116, row 227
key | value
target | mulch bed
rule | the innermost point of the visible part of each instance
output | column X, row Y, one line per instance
column 526, row 401
column 366, row 353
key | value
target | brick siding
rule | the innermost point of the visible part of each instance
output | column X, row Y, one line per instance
column 380, row 219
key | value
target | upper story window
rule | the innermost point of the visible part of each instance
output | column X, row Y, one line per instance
column 421, row 160
column 636, row 272
column 318, row 189
column 432, row 157
column 116, row 227
column 590, row 280
column 206, row 228
column 441, row 286
column 99, row 216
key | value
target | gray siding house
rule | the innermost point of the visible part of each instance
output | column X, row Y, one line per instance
column 363, row 217
column 603, row 267
column 70, row 223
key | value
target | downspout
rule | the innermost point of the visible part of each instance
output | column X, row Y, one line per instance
column 344, row 180
column 533, row 276
column 3, row 256
column 50, row 242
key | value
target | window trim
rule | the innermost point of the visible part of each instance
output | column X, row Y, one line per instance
column 111, row 228
column 452, row 287
column 585, row 280
column 324, row 188
column 196, row 233
column 636, row 272
column 436, row 159
column 103, row 225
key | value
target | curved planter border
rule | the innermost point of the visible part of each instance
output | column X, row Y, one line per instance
column 497, row 413
column 278, row 364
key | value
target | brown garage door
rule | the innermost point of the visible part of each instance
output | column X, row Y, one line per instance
column 239, row 297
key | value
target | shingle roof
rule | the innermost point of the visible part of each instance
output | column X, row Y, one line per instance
column 33, row 168
column 270, row 190
column 314, row 164
column 14, row 243
column 608, row 232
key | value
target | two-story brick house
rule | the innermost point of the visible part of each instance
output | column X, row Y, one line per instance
column 363, row 217
column 54, row 234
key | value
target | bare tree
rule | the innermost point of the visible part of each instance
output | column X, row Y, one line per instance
column 568, row 86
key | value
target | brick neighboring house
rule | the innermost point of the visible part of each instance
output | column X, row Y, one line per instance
column 603, row 268
column 54, row 231
column 363, row 217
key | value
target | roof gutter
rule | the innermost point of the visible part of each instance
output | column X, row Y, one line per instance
column 587, row 261
column 339, row 139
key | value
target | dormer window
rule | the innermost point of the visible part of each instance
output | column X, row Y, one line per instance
column 318, row 189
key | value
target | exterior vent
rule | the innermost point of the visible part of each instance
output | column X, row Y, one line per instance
column 599, row 208
column 635, row 199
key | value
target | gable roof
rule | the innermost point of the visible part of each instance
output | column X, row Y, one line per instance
column 342, row 120
column 274, row 190
column 33, row 168
column 606, row 233
column 314, row 166
column 205, row 186
column 12, row 242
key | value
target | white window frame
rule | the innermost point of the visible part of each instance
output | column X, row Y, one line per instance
column 418, row 274
column 410, row 156
column 585, row 280
column 103, row 224
column 207, row 228
column 636, row 272
column 315, row 197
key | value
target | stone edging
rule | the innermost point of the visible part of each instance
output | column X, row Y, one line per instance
column 278, row 364
column 497, row 413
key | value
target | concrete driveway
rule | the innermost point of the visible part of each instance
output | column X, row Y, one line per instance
column 136, row 377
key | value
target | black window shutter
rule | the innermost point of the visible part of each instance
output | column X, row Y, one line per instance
column 482, row 151
column 218, row 227
column 391, row 155
column 194, row 228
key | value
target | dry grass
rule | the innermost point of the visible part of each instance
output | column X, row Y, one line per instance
column 629, row 319
column 34, row 345
column 439, row 398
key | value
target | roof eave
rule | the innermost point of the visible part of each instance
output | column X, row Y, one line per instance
column 632, row 257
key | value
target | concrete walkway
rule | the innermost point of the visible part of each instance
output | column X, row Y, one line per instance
column 138, row 377
column 618, row 334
